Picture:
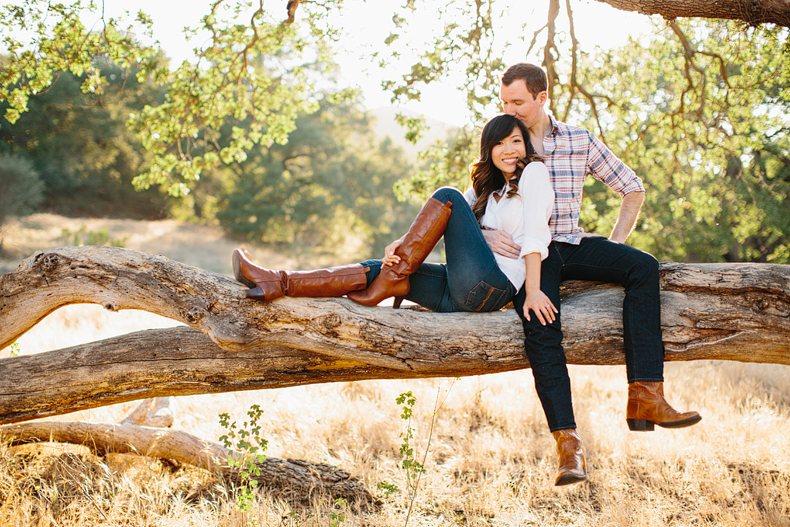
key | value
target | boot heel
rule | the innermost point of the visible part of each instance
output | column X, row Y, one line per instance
column 256, row 293
column 397, row 302
column 640, row 425
column 237, row 273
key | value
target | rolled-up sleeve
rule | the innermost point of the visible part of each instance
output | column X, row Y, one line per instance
column 607, row 167
column 537, row 198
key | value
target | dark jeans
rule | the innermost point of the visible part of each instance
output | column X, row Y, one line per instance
column 597, row 259
column 470, row 280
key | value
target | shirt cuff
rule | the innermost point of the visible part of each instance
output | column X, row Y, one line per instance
column 635, row 185
column 529, row 246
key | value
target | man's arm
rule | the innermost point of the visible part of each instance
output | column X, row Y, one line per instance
column 626, row 220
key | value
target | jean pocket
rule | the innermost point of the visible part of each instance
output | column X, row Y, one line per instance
column 485, row 297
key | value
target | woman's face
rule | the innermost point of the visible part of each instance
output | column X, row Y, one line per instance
column 508, row 151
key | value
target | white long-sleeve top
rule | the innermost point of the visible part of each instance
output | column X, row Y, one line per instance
column 525, row 217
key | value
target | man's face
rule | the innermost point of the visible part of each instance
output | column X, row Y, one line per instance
column 518, row 102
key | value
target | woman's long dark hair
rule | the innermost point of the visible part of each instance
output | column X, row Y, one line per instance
column 487, row 178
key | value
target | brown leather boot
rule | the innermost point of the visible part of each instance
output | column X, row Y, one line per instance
column 423, row 235
column 268, row 284
column 647, row 407
column 572, row 468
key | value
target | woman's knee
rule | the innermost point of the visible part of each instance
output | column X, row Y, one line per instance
column 447, row 194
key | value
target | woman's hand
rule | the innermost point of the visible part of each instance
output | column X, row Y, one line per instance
column 390, row 258
column 540, row 304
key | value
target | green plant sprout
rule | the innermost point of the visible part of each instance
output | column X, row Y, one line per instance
column 413, row 469
column 338, row 515
column 246, row 451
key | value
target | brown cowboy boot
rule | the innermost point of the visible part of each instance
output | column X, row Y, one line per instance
column 417, row 244
column 647, row 407
column 571, row 468
column 268, row 284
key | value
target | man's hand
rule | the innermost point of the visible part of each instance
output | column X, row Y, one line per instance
column 502, row 243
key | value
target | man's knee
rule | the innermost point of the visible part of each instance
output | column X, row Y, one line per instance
column 540, row 339
column 640, row 271
column 645, row 265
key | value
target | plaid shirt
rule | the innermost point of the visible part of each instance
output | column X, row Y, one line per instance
column 571, row 153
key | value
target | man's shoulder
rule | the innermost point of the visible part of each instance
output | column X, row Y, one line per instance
column 569, row 129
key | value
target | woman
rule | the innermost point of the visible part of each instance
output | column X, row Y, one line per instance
column 505, row 195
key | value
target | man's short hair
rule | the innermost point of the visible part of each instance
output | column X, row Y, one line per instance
column 533, row 76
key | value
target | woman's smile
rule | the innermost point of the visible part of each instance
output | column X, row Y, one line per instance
column 507, row 152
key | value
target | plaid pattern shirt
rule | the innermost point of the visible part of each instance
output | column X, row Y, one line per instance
column 572, row 153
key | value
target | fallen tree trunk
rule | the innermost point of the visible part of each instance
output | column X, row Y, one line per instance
column 295, row 480
column 716, row 311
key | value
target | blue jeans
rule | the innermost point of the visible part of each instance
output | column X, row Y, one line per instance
column 470, row 280
column 596, row 259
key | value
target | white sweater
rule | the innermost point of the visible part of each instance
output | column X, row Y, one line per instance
column 525, row 217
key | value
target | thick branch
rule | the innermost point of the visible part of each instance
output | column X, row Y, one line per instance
column 753, row 12
column 716, row 311
column 161, row 363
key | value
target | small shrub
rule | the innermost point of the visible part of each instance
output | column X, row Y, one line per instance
column 83, row 236
column 248, row 447
column 21, row 189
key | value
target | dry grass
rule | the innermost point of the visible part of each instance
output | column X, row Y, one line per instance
column 491, row 461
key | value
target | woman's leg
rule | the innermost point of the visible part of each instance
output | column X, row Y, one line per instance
column 474, row 280
column 270, row 284
column 471, row 279
column 428, row 285
column 423, row 235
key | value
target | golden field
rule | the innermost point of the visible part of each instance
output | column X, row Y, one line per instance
column 490, row 460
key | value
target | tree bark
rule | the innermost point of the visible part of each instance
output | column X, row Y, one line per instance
column 753, row 12
column 713, row 311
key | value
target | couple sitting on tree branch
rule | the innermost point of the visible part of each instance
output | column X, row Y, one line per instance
column 514, row 236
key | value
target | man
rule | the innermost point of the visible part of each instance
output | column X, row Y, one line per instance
column 572, row 153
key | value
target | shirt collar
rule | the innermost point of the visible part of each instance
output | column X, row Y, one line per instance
column 555, row 128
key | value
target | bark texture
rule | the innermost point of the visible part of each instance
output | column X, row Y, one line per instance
column 735, row 312
column 753, row 12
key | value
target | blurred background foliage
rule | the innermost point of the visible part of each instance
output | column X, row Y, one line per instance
column 708, row 134
column 81, row 149
column 699, row 109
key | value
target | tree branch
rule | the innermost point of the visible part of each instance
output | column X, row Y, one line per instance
column 709, row 311
column 753, row 12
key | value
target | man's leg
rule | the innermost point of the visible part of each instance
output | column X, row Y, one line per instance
column 547, row 359
column 544, row 349
column 599, row 259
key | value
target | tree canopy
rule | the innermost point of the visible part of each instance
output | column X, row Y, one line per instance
column 698, row 110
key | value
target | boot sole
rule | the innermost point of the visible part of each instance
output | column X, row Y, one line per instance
column 238, row 274
column 569, row 479
column 643, row 425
